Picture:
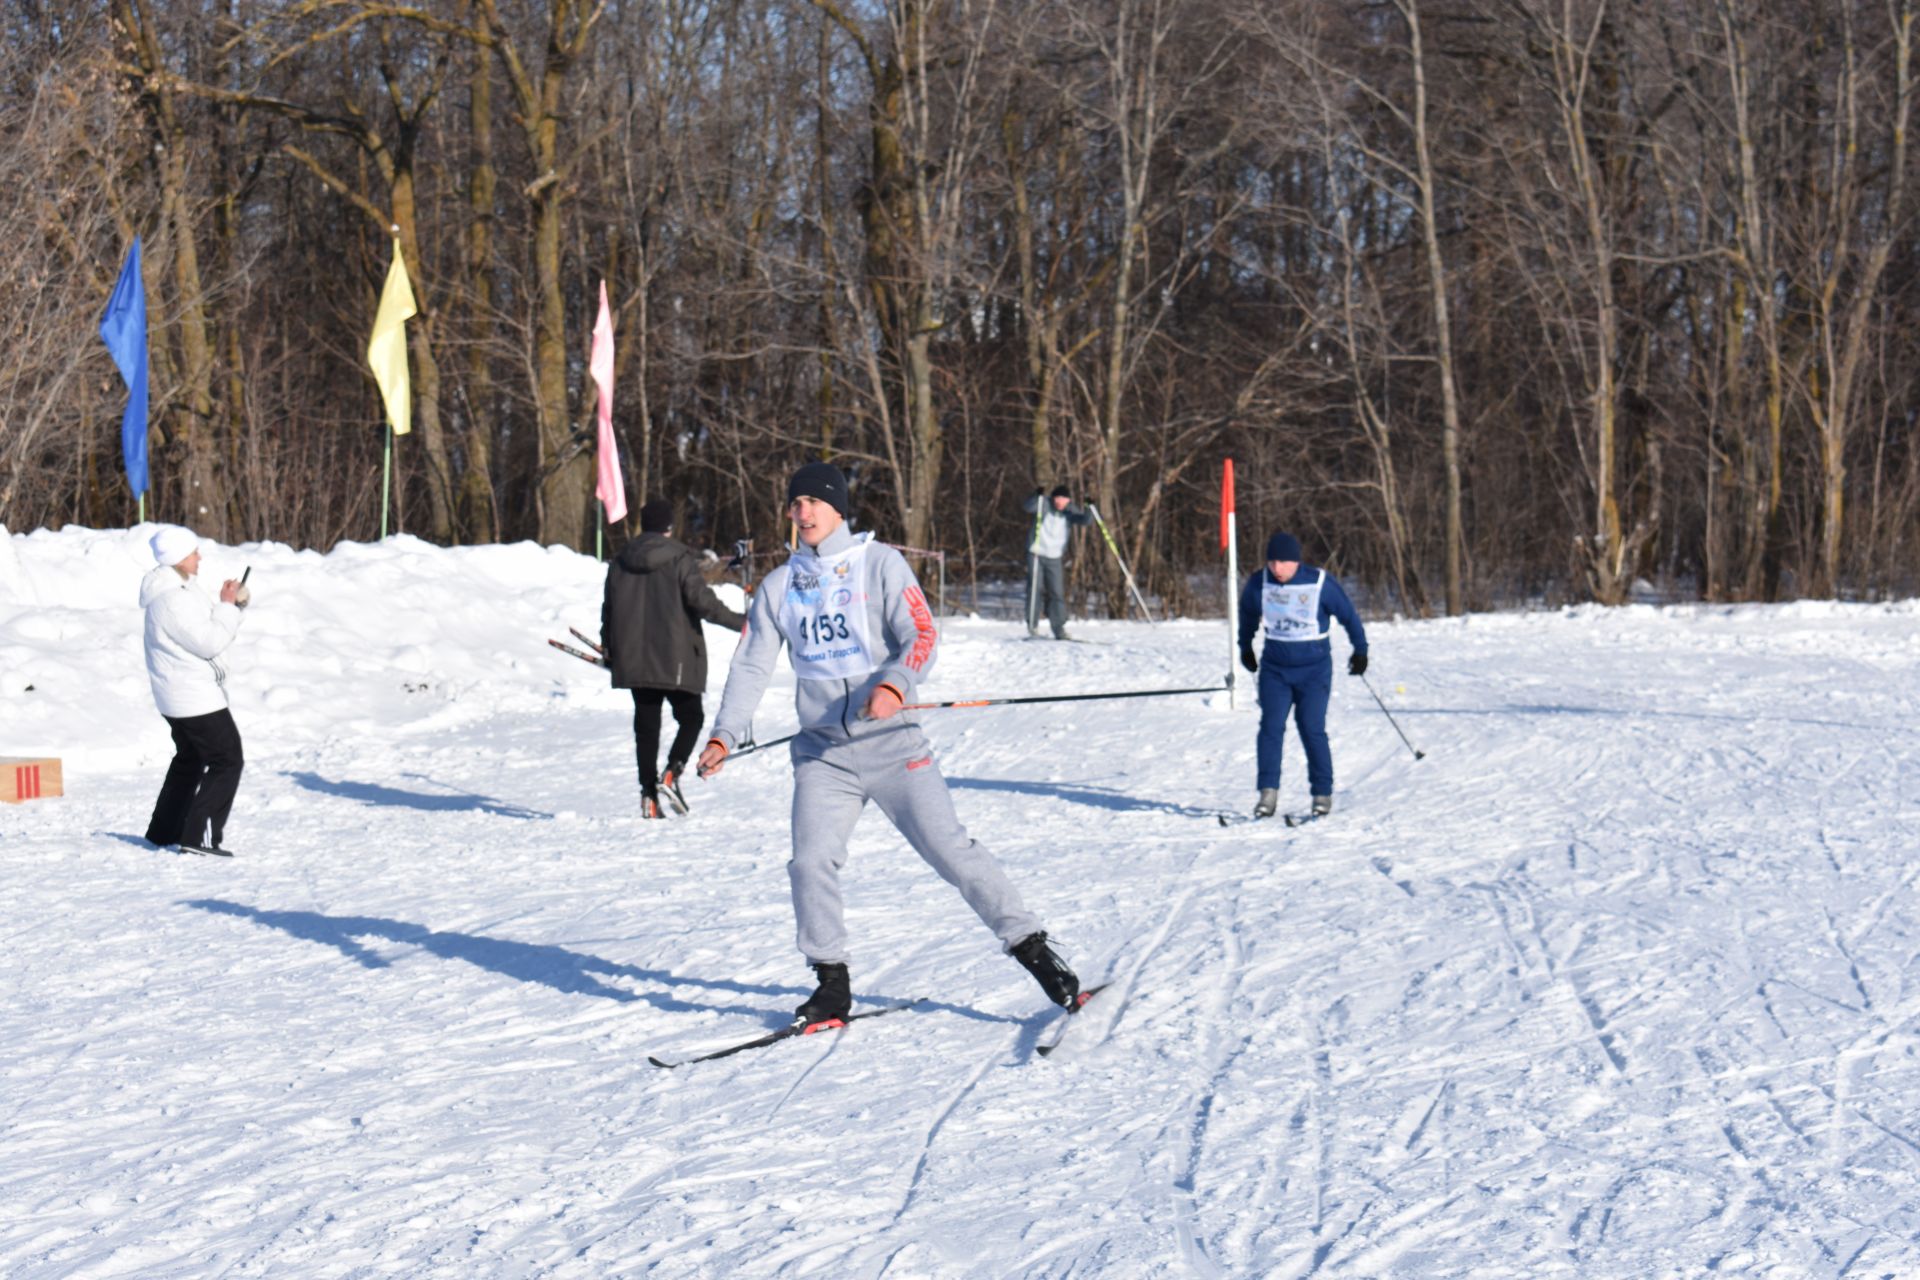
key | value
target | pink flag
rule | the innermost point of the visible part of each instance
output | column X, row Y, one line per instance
column 611, row 491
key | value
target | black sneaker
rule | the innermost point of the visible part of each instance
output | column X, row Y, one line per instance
column 650, row 804
column 1060, row 983
column 832, row 1000
column 206, row 850
column 670, row 787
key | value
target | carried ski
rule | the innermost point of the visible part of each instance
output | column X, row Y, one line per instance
column 1065, row 1023
column 564, row 647
column 787, row 1032
column 599, row 655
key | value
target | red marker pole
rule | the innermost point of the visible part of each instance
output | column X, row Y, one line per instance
column 1230, row 544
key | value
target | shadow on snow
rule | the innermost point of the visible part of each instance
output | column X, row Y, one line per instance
column 372, row 793
column 572, row 972
column 1078, row 793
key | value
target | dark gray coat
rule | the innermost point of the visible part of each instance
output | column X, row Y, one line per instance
column 650, row 617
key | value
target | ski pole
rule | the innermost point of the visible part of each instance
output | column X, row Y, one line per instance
column 748, row 748
column 1033, row 564
column 1417, row 754
column 1126, row 572
column 1033, row 593
column 1060, row 697
column 751, row 747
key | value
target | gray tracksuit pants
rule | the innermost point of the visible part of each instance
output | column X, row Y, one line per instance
column 832, row 782
column 1050, row 596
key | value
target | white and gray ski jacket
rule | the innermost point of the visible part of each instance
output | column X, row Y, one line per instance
column 185, row 635
column 898, row 619
column 1051, row 529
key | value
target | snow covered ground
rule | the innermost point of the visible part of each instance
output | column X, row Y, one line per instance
column 1623, row 979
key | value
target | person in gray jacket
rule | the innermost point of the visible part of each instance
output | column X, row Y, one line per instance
column 650, row 619
column 1053, row 519
column 861, row 638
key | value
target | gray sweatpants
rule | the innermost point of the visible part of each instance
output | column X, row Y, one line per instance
column 1050, row 596
column 832, row 782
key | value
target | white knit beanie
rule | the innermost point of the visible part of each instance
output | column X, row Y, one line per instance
column 173, row 544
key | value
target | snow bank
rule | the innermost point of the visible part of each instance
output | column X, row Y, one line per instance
column 401, row 638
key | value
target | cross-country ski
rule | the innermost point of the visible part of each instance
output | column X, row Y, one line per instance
column 796, row 1028
column 1064, row 1022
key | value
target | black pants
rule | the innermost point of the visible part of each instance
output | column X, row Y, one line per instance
column 201, row 781
column 688, row 716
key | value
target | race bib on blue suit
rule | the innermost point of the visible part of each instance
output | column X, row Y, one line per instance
column 1292, row 612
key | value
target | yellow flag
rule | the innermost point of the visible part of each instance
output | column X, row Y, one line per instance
column 387, row 349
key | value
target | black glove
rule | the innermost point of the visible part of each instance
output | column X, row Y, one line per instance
column 1357, row 665
column 1247, row 659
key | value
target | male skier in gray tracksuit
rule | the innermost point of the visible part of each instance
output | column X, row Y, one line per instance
column 861, row 638
column 1053, row 519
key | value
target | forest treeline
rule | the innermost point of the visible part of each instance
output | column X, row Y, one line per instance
column 1488, row 299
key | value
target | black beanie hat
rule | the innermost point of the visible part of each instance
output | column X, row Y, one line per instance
column 656, row 516
column 820, row 480
column 1283, row 546
column 1061, row 491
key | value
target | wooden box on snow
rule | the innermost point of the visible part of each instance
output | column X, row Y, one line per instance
column 23, row 778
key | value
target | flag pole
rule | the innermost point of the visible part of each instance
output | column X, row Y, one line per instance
column 386, row 482
column 599, row 532
column 1229, row 543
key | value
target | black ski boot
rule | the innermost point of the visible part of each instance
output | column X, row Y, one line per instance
column 1060, row 983
column 831, row 1000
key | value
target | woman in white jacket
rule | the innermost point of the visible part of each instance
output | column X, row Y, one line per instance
column 185, row 635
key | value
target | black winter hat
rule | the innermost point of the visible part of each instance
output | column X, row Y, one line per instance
column 1283, row 546
column 1061, row 491
column 656, row 516
column 820, row 480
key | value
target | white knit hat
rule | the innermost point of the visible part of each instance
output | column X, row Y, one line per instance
column 173, row 544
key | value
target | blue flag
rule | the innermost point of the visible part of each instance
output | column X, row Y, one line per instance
column 124, row 329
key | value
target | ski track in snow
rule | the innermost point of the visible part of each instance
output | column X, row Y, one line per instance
column 1622, row 980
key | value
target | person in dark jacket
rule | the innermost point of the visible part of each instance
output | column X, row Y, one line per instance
column 650, row 624
column 1295, row 603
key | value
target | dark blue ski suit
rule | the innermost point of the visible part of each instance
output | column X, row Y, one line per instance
column 1297, row 673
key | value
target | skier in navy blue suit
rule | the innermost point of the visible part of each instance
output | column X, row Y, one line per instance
column 1295, row 603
